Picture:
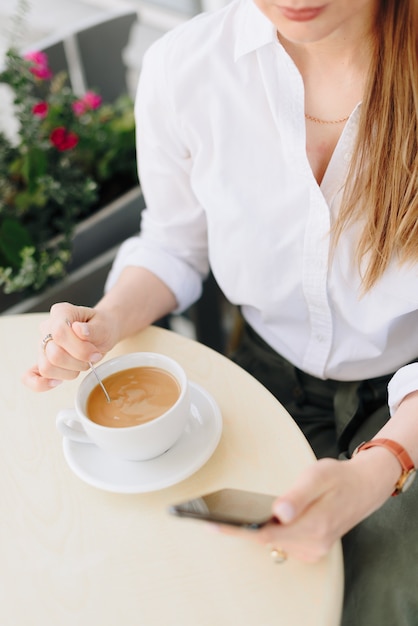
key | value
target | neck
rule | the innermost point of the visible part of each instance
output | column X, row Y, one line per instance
column 347, row 48
column 334, row 74
column 331, row 57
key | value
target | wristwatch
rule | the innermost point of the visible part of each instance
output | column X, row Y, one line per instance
column 408, row 468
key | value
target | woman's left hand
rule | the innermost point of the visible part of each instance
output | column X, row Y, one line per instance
column 328, row 499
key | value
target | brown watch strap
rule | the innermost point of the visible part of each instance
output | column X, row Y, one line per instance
column 401, row 454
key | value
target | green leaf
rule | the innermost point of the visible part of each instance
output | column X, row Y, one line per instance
column 34, row 165
column 26, row 200
column 13, row 238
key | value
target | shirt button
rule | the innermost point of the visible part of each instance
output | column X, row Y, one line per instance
column 321, row 338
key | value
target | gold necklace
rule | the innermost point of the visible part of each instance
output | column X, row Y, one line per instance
column 318, row 121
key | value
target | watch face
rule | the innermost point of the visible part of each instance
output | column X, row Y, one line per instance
column 408, row 480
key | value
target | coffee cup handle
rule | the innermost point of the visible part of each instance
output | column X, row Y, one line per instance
column 69, row 425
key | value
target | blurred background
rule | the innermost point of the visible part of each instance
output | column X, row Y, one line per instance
column 47, row 17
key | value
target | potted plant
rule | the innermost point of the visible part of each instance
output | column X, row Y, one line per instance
column 70, row 156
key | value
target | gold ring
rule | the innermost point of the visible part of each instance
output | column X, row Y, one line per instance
column 278, row 555
column 45, row 341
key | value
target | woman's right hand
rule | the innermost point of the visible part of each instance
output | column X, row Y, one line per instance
column 79, row 335
column 72, row 336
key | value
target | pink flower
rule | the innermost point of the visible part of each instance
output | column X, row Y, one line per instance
column 43, row 73
column 63, row 139
column 78, row 107
column 89, row 102
column 40, row 109
column 37, row 58
column 92, row 100
column 39, row 62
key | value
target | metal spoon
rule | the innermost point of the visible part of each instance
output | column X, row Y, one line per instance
column 99, row 381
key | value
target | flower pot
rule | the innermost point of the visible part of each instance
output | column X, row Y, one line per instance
column 95, row 243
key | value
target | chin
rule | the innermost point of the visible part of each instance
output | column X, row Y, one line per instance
column 301, row 35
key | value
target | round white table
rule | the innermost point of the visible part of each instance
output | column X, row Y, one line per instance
column 73, row 554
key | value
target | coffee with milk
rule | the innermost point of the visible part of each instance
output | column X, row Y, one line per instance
column 138, row 395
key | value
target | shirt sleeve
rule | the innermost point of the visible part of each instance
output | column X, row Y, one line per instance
column 402, row 383
column 173, row 239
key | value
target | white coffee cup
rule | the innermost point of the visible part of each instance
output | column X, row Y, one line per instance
column 134, row 443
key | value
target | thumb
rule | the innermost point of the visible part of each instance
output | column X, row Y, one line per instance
column 310, row 486
column 82, row 330
column 284, row 510
column 79, row 322
column 96, row 330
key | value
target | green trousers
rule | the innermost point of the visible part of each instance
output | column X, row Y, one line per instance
column 381, row 553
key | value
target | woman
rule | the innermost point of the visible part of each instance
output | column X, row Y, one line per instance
column 278, row 142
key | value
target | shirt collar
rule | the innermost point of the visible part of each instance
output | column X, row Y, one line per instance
column 254, row 29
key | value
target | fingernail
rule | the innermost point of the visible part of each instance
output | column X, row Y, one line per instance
column 53, row 382
column 85, row 331
column 284, row 511
column 96, row 357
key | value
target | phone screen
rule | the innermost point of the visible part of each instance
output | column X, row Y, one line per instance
column 229, row 506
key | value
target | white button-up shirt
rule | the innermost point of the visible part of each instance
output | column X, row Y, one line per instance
column 227, row 182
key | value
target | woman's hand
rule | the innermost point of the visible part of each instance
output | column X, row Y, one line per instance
column 79, row 335
column 329, row 499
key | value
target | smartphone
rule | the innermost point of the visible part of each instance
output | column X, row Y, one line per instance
column 229, row 506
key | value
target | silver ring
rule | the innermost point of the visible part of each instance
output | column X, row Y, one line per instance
column 278, row 555
column 45, row 341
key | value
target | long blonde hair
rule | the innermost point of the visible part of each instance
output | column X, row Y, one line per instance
column 382, row 183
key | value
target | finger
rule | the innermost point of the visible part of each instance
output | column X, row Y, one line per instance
column 257, row 535
column 35, row 381
column 88, row 326
column 227, row 529
column 71, row 312
column 62, row 316
column 65, row 349
column 55, row 362
column 310, row 486
column 290, row 539
column 98, row 331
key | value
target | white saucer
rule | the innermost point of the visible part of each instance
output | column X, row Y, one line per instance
column 189, row 453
